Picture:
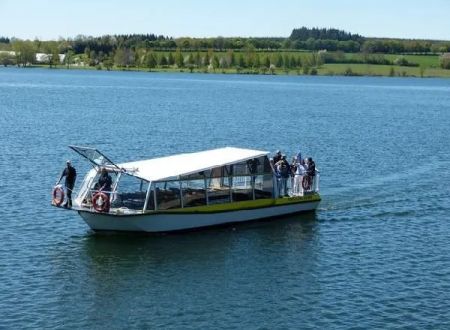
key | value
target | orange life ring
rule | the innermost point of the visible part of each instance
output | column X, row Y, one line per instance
column 57, row 196
column 306, row 182
column 100, row 201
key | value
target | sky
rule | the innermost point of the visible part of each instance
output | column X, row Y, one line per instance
column 51, row 19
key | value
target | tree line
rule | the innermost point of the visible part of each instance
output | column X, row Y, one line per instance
column 129, row 50
column 308, row 39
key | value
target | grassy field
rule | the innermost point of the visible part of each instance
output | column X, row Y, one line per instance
column 382, row 70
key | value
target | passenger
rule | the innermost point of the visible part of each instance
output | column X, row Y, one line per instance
column 253, row 165
column 310, row 168
column 253, row 168
column 311, row 171
column 71, row 174
column 299, row 174
column 293, row 169
column 272, row 165
column 105, row 181
column 283, row 169
column 277, row 157
column 104, row 185
column 299, row 157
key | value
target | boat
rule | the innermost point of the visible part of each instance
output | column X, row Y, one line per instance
column 186, row 191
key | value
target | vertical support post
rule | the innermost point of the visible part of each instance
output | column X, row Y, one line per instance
column 317, row 182
column 230, row 185
column 181, row 194
column 154, row 198
column 206, row 188
column 253, row 186
column 147, row 196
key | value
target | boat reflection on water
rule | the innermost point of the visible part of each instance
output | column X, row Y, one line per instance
column 130, row 273
column 198, row 246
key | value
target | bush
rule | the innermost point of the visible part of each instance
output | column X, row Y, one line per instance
column 313, row 72
column 6, row 59
column 391, row 72
column 445, row 61
column 348, row 72
column 402, row 61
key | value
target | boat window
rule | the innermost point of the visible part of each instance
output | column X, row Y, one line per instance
column 130, row 193
column 193, row 193
column 259, row 165
column 167, row 195
column 197, row 176
column 263, row 186
column 94, row 156
column 218, row 190
column 94, row 186
column 241, row 187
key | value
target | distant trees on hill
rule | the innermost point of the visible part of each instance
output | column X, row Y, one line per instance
column 305, row 33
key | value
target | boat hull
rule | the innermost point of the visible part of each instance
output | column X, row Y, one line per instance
column 166, row 221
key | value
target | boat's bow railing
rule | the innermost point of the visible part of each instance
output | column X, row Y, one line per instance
column 298, row 184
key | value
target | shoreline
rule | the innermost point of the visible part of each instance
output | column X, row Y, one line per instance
column 340, row 70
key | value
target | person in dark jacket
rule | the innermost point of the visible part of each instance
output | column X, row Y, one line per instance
column 104, row 181
column 71, row 174
column 284, row 171
column 311, row 169
column 277, row 157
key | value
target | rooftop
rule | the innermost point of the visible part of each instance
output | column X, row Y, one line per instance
column 184, row 164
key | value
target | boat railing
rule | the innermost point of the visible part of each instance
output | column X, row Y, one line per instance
column 297, row 185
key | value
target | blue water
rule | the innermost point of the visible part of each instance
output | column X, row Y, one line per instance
column 375, row 255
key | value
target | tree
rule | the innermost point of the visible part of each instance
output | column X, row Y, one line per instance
column 179, row 59
column 124, row 57
column 286, row 62
column 206, row 60
column 163, row 61
column 266, row 61
column 55, row 60
column 190, row 60
column 108, row 62
column 257, row 61
column 241, row 61
column 171, row 59
column 150, row 60
column 197, row 59
column 6, row 59
column 223, row 63
column 279, row 60
column 215, row 62
column 68, row 58
column 230, row 58
column 25, row 52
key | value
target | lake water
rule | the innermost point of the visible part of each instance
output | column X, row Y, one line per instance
column 376, row 254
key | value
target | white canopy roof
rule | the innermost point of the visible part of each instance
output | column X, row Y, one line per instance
column 184, row 164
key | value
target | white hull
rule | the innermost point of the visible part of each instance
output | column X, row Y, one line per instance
column 165, row 222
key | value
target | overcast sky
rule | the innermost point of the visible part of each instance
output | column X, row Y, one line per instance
column 50, row 19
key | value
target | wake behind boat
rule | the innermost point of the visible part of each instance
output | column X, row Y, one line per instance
column 186, row 191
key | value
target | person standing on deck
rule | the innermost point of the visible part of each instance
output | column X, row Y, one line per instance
column 284, row 171
column 277, row 157
column 71, row 174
